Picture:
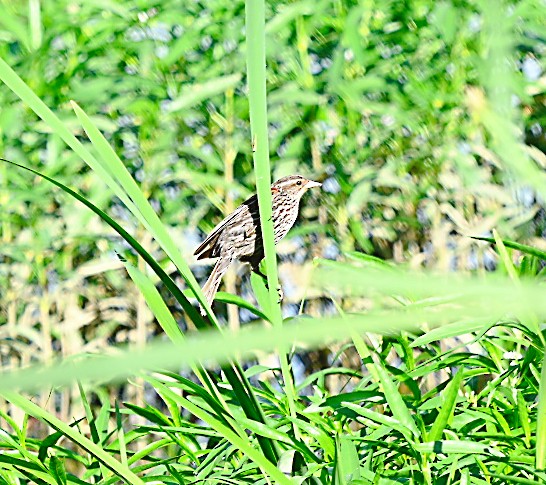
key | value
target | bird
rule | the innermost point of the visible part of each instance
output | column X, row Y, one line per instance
column 239, row 235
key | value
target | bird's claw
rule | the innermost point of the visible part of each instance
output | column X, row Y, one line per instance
column 279, row 292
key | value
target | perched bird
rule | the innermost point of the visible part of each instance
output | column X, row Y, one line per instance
column 239, row 235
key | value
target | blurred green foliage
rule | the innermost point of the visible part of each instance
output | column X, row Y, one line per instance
column 376, row 99
column 400, row 107
column 370, row 96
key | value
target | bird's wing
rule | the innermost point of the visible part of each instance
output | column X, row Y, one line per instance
column 208, row 248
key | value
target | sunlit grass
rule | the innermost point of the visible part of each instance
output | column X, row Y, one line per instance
column 431, row 376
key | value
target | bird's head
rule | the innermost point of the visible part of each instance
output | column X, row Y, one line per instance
column 294, row 185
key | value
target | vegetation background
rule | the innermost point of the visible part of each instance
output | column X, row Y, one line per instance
column 425, row 122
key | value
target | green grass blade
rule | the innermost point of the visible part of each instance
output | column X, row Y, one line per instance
column 505, row 257
column 92, row 424
column 346, row 279
column 523, row 415
column 514, row 245
column 118, row 468
column 452, row 330
column 120, row 435
column 220, row 347
column 447, row 407
column 155, row 303
column 453, row 446
column 211, row 346
column 237, row 300
column 378, row 417
column 261, row 293
column 240, row 441
column 257, row 99
column 35, row 26
column 234, row 374
column 196, row 93
column 255, row 27
column 112, row 163
column 188, row 307
column 18, row 86
column 540, row 453
column 396, row 403
column 515, row 480
column 347, row 463
column 89, row 415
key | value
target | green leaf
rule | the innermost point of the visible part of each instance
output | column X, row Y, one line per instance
column 150, row 413
column 524, row 417
column 237, row 300
column 261, row 293
column 452, row 330
column 122, row 471
column 57, row 470
column 505, row 257
column 48, row 442
column 347, row 463
column 447, row 407
column 459, row 447
column 396, row 403
column 196, row 93
column 529, row 266
column 378, row 417
column 155, row 303
column 141, row 209
column 89, row 415
column 369, row 260
column 514, row 245
column 516, row 480
column 540, row 451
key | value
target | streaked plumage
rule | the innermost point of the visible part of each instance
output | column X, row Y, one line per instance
column 239, row 236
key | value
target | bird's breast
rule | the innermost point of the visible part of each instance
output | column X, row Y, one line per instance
column 285, row 212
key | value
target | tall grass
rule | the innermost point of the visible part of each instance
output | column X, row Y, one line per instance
column 256, row 69
column 454, row 392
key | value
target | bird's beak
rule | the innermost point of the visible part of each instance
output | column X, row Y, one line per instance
column 311, row 183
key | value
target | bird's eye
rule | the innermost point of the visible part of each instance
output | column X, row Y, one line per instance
column 298, row 182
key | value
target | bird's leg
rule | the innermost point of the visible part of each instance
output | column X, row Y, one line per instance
column 256, row 269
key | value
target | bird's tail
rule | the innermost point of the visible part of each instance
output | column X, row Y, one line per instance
column 211, row 286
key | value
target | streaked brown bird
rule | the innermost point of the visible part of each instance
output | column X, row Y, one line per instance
column 239, row 235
